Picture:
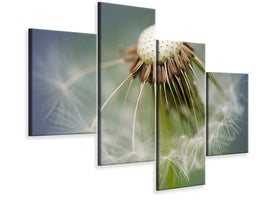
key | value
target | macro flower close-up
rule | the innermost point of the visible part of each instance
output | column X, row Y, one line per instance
column 138, row 85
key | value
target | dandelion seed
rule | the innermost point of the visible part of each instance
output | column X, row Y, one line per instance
column 227, row 102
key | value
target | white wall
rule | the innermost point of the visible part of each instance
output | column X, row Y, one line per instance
column 65, row 167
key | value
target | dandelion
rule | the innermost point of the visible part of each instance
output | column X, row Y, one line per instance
column 179, row 75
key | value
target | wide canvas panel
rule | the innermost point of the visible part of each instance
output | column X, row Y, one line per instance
column 62, row 82
column 181, row 95
column 125, row 100
column 227, row 113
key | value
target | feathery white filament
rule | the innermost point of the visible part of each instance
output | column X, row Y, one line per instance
column 134, row 120
column 108, row 99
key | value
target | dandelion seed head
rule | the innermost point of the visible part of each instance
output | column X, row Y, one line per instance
column 147, row 44
column 168, row 49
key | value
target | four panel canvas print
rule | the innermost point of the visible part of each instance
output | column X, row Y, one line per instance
column 126, row 92
column 180, row 114
column 227, row 111
column 62, row 82
column 151, row 96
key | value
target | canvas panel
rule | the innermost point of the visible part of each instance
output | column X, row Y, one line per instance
column 227, row 113
column 125, row 103
column 180, row 156
column 62, row 82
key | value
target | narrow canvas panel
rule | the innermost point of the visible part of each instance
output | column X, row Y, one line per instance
column 126, row 100
column 181, row 95
column 227, row 113
column 62, row 82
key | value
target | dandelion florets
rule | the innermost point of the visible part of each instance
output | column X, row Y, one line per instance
column 146, row 47
column 147, row 44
